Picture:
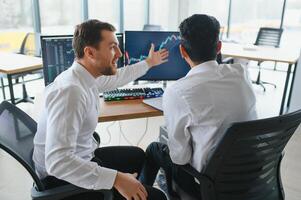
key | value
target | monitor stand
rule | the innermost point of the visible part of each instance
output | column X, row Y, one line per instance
column 164, row 84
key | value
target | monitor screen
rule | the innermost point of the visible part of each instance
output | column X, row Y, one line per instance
column 121, row 46
column 58, row 54
column 137, row 45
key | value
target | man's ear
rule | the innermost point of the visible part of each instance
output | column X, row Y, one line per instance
column 89, row 52
column 183, row 51
column 219, row 47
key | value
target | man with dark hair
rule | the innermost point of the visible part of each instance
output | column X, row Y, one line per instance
column 64, row 150
column 198, row 107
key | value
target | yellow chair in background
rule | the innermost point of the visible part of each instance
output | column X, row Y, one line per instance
column 12, row 41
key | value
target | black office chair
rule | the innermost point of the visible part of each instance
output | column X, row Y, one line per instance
column 267, row 37
column 246, row 163
column 221, row 60
column 16, row 138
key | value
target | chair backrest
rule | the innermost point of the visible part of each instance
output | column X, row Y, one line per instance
column 246, row 162
column 28, row 45
column 219, row 58
column 16, row 137
column 269, row 37
column 152, row 27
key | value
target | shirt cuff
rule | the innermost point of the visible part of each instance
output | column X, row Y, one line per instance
column 146, row 66
column 140, row 68
column 107, row 179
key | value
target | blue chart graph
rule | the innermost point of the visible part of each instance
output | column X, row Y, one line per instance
column 138, row 43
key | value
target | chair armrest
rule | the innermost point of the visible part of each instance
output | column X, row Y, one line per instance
column 206, row 183
column 228, row 60
column 193, row 172
column 96, row 138
column 61, row 192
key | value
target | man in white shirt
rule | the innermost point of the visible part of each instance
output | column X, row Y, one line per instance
column 199, row 107
column 64, row 150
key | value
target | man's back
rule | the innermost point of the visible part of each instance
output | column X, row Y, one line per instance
column 200, row 106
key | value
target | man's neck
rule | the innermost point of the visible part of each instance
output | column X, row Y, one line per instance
column 194, row 64
column 88, row 67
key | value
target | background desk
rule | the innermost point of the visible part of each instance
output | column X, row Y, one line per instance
column 12, row 64
column 259, row 53
column 126, row 109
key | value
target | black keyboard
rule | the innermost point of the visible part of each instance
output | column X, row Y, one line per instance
column 134, row 93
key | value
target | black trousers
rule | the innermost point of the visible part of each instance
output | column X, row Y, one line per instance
column 125, row 159
column 157, row 156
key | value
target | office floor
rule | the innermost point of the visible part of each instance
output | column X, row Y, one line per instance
column 15, row 182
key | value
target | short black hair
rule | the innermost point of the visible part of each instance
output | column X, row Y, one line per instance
column 88, row 33
column 200, row 36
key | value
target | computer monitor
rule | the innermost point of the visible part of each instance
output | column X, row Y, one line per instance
column 137, row 45
column 58, row 54
column 121, row 46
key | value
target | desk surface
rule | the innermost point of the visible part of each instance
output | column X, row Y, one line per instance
column 126, row 109
column 12, row 63
column 260, row 53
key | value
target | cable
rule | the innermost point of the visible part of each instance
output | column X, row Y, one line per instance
column 119, row 138
column 145, row 131
column 109, row 134
column 123, row 135
column 140, row 139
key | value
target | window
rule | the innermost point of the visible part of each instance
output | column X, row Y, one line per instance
column 292, row 24
column 165, row 14
column 215, row 8
column 60, row 17
column 134, row 14
column 15, row 22
column 249, row 15
column 105, row 10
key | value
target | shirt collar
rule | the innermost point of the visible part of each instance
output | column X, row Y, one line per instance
column 87, row 78
column 203, row 67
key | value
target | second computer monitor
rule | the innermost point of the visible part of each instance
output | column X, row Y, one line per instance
column 58, row 54
column 137, row 45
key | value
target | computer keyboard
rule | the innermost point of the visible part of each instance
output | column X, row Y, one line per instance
column 133, row 93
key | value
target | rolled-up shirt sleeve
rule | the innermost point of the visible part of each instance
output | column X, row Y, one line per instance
column 66, row 111
column 123, row 76
column 178, row 120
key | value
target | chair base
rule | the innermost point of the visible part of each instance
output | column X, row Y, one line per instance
column 261, row 83
column 25, row 97
column 24, row 100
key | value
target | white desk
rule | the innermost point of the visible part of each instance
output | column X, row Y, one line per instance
column 12, row 64
column 259, row 53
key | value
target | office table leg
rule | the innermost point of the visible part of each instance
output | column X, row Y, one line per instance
column 11, row 89
column 292, row 85
column 3, row 89
column 288, row 73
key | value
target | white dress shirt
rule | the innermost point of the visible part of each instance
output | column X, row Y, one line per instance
column 63, row 144
column 198, row 108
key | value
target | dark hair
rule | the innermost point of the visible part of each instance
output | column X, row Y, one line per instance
column 200, row 36
column 88, row 33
